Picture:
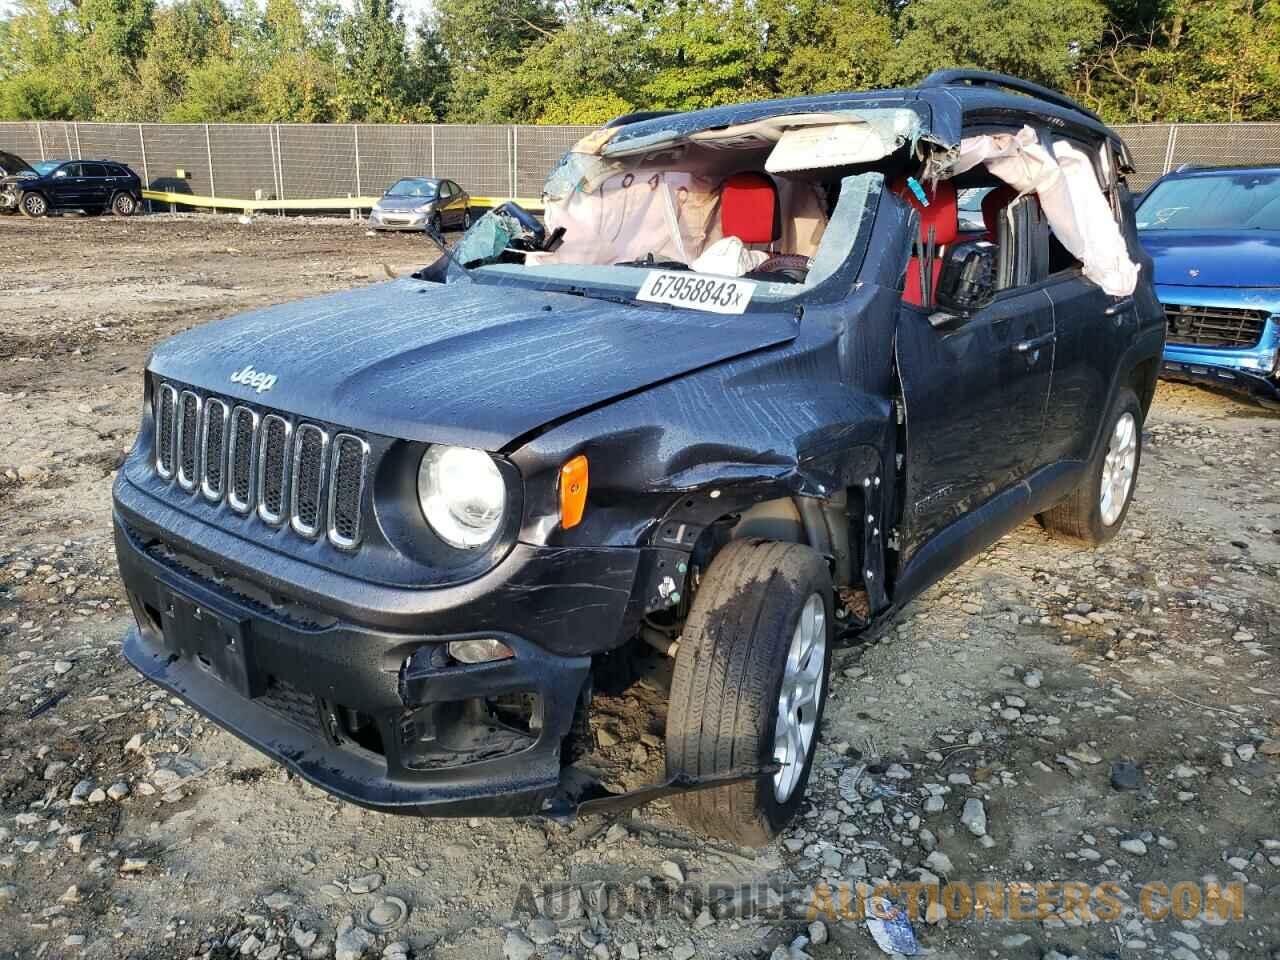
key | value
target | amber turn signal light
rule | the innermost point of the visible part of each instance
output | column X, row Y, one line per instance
column 573, row 491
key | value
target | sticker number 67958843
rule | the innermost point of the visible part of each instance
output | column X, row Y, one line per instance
column 717, row 294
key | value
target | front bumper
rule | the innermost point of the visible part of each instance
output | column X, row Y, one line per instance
column 380, row 717
column 398, row 220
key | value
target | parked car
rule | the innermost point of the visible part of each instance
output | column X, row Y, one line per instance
column 1214, row 236
column 720, row 407
column 416, row 203
column 94, row 186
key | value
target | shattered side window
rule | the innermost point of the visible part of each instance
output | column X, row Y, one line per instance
column 850, row 219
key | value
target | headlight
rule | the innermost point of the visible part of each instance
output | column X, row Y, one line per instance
column 377, row 206
column 425, row 207
column 463, row 495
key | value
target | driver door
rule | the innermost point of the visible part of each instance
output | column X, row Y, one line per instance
column 976, row 389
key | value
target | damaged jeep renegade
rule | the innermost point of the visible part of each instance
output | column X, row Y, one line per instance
column 752, row 384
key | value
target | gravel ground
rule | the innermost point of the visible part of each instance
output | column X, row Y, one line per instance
column 1044, row 715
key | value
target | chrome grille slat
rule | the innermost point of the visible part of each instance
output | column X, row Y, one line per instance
column 262, row 463
column 273, row 467
column 350, row 464
column 188, row 439
column 166, row 410
column 310, row 452
column 241, row 457
column 213, row 447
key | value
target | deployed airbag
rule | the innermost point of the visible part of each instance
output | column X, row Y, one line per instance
column 1064, row 182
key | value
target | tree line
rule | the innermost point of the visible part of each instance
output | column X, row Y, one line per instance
column 585, row 61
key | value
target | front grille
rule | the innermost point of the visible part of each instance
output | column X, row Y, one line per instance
column 1214, row 326
column 263, row 463
column 240, row 459
column 166, row 403
column 214, row 444
column 346, row 482
column 188, row 439
column 310, row 451
column 273, row 467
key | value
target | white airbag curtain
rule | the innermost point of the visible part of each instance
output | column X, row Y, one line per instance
column 1065, row 184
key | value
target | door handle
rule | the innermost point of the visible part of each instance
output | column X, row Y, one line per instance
column 1120, row 306
column 1035, row 343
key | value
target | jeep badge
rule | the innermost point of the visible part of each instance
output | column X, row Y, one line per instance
column 262, row 382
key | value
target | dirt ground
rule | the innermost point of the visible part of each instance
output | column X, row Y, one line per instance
column 1113, row 717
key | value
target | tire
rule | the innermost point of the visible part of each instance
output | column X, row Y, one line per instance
column 437, row 224
column 1081, row 517
column 124, row 205
column 727, row 688
column 466, row 219
column 33, row 205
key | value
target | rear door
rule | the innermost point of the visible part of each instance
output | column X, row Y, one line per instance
column 453, row 205
column 976, row 389
column 1094, row 329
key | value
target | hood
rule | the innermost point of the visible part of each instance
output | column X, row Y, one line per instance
column 11, row 163
column 1219, row 258
column 467, row 363
column 403, row 203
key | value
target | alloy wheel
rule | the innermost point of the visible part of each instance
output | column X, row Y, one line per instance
column 802, row 679
column 1118, row 468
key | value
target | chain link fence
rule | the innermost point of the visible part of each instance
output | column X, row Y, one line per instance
column 315, row 161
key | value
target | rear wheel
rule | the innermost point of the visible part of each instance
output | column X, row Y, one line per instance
column 1095, row 511
column 750, row 686
column 33, row 204
column 124, row 205
column 466, row 219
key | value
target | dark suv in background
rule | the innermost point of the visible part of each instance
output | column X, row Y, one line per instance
column 94, row 186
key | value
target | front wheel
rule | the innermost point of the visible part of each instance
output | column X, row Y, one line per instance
column 466, row 219
column 124, row 205
column 1095, row 510
column 749, row 687
column 34, row 205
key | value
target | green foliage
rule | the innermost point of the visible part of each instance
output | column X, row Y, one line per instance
column 585, row 61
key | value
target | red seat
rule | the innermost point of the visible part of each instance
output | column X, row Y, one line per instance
column 943, row 215
column 749, row 208
column 993, row 205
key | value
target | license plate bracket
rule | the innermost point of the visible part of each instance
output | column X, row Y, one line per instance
column 215, row 643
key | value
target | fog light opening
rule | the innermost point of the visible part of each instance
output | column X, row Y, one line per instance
column 479, row 650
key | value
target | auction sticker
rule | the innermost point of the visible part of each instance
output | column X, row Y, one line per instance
column 717, row 294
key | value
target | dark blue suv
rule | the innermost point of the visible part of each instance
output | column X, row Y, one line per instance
column 94, row 186
column 750, row 386
column 1214, row 236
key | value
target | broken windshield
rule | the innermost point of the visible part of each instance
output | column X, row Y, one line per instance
column 775, row 205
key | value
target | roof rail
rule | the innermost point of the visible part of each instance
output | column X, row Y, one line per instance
column 985, row 78
column 637, row 117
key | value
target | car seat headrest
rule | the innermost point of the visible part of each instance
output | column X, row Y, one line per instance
column 749, row 208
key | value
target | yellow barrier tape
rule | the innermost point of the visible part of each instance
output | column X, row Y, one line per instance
column 326, row 203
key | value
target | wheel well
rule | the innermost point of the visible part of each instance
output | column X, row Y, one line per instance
column 1142, row 378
